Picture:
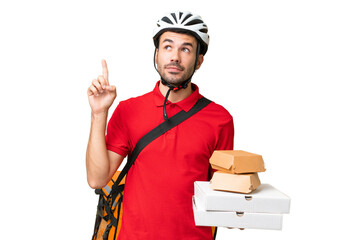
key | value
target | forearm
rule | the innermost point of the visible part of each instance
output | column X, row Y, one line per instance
column 97, row 159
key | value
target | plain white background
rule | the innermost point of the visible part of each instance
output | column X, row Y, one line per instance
column 286, row 70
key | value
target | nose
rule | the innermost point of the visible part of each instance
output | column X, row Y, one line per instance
column 175, row 56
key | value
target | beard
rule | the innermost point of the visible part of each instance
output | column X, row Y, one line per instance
column 175, row 78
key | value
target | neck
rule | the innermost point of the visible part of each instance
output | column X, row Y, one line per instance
column 178, row 95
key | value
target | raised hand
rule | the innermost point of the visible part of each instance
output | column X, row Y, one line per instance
column 101, row 94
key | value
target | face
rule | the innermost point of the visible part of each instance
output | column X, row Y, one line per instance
column 175, row 57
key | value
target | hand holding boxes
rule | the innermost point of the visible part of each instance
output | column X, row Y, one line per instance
column 242, row 201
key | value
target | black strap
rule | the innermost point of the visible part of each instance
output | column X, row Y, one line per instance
column 155, row 133
column 215, row 232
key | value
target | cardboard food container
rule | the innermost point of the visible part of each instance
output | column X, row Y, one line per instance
column 240, row 183
column 237, row 161
column 235, row 219
column 265, row 199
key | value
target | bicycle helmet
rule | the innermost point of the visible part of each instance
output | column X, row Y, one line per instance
column 185, row 21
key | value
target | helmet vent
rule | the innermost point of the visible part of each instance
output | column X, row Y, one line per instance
column 193, row 22
column 174, row 16
column 185, row 18
column 204, row 30
column 166, row 19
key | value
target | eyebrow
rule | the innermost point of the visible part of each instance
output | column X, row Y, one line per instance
column 171, row 41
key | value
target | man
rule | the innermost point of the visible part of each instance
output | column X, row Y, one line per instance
column 159, row 186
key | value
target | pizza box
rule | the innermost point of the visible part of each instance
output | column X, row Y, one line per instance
column 265, row 199
column 237, row 161
column 243, row 220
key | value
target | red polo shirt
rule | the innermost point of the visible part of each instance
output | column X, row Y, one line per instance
column 160, row 185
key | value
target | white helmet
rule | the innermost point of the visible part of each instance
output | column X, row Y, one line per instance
column 185, row 21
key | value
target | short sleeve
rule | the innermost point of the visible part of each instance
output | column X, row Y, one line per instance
column 226, row 135
column 116, row 138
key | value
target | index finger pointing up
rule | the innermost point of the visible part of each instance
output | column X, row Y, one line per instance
column 105, row 71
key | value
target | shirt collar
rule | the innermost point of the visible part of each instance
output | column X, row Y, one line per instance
column 185, row 104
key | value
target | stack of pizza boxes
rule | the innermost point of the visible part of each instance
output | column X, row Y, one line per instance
column 235, row 198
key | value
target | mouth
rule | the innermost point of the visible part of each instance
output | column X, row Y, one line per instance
column 174, row 69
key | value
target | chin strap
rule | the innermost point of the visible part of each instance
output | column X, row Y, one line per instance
column 172, row 88
column 164, row 107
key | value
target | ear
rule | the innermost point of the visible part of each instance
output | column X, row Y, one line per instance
column 156, row 55
column 200, row 61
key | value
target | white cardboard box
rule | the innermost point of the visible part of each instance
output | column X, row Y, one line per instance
column 235, row 219
column 265, row 199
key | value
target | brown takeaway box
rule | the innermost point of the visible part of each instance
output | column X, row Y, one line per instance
column 240, row 183
column 237, row 161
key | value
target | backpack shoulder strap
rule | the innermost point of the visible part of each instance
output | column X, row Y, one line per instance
column 157, row 132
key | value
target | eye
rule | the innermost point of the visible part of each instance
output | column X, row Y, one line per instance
column 186, row 50
column 167, row 47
